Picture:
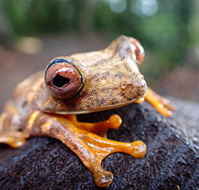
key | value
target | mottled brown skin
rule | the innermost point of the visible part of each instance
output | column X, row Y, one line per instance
column 110, row 79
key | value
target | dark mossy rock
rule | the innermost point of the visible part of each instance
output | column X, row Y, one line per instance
column 171, row 162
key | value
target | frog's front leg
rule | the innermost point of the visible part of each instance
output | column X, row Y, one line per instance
column 99, row 128
column 89, row 147
column 162, row 105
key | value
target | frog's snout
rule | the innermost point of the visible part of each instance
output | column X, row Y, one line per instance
column 134, row 87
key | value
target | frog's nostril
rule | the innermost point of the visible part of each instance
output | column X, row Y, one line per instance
column 135, row 83
column 60, row 81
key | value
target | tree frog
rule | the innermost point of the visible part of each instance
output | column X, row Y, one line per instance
column 47, row 102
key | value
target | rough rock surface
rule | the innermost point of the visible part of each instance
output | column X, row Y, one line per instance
column 171, row 162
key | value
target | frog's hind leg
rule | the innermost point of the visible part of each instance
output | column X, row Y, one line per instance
column 8, row 133
column 89, row 147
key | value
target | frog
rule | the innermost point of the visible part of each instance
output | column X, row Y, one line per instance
column 47, row 103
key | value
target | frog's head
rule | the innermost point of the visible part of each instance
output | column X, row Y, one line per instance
column 94, row 81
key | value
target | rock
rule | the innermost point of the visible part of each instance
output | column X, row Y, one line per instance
column 171, row 162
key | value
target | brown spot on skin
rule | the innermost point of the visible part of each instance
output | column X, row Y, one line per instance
column 118, row 75
column 88, row 106
column 104, row 89
column 102, row 101
column 95, row 78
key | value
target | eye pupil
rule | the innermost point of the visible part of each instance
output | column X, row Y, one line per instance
column 60, row 81
column 63, row 78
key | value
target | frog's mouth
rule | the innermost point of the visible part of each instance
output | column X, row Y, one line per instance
column 110, row 107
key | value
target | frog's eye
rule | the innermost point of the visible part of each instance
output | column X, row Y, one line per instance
column 139, row 50
column 63, row 78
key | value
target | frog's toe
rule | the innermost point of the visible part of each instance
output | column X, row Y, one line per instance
column 167, row 104
column 16, row 143
column 103, row 178
column 115, row 121
column 14, row 139
column 138, row 149
column 163, row 110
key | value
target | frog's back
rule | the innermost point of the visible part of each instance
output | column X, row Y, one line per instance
column 22, row 101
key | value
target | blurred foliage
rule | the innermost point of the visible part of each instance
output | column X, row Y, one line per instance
column 161, row 26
